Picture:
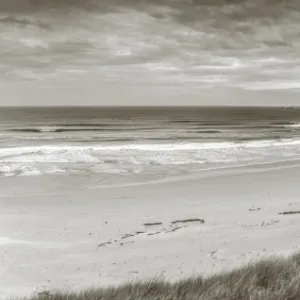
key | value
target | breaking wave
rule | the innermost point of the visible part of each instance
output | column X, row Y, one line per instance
column 58, row 130
column 192, row 126
column 137, row 158
column 295, row 125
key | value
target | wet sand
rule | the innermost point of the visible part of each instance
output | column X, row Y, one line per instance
column 77, row 232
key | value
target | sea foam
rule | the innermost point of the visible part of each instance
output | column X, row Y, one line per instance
column 112, row 158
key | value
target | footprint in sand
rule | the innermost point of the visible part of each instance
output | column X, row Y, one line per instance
column 216, row 255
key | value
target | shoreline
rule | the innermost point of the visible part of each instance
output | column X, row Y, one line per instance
column 95, row 237
column 133, row 179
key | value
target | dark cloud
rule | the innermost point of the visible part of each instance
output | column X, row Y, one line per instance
column 156, row 44
column 24, row 22
column 256, row 7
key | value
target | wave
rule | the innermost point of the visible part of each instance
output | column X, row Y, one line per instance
column 61, row 130
column 263, row 143
column 90, row 124
column 202, row 136
column 192, row 126
column 136, row 158
column 230, row 124
column 58, row 130
column 86, row 129
column 206, row 131
column 294, row 125
column 32, row 130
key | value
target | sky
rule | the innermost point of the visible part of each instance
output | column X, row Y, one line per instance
column 122, row 96
column 154, row 52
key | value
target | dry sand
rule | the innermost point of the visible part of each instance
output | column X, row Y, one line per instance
column 77, row 232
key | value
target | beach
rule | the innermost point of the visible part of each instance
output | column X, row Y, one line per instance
column 71, row 233
column 144, row 140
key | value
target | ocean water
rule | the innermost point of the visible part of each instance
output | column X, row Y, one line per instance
column 72, row 141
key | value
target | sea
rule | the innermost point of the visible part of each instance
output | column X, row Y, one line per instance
column 75, row 141
column 154, row 52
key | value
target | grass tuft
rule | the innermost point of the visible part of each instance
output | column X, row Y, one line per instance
column 272, row 279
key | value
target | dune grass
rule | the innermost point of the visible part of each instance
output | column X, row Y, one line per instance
column 273, row 279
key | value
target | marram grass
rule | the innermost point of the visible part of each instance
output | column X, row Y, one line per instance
column 272, row 279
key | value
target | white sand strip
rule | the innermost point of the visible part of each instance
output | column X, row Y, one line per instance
column 117, row 234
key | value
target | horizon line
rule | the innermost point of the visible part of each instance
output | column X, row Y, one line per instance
column 151, row 106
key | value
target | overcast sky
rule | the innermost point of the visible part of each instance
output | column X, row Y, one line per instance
column 117, row 95
column 149, row 52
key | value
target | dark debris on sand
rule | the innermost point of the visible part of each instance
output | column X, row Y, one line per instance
column 188, row 221
column 153, row 224
column 290, row 213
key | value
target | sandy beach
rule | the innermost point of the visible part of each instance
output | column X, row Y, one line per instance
column 144, row 140
column 69, row 233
